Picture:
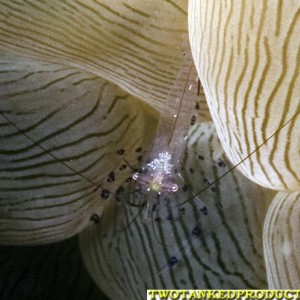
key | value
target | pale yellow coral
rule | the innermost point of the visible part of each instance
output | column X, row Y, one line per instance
column 66, row 56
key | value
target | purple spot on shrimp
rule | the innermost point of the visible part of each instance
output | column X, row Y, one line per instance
column 120, row 151
column 105, row 194
column 111, row 177
column 221, row 164
column 193, row 120
column 196, row 231
column 172, row 261
column 95, row 218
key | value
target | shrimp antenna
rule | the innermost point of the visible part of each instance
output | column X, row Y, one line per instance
column 98, row 186
column 180, row 104
column 141, row 206
column 133, row 220
column 239, row 163
column 129, row 165
column 154, row 231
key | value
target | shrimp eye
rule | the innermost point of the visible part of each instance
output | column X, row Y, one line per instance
column 135, row 176
column 174, row 187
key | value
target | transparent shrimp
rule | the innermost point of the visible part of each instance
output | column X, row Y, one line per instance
column 157, row 182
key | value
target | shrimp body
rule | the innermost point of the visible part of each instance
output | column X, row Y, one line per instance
column 156, row 176
column 158, row 180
